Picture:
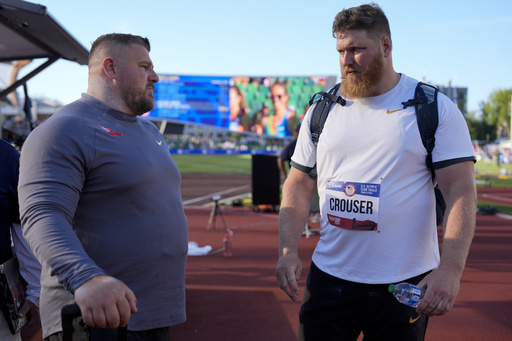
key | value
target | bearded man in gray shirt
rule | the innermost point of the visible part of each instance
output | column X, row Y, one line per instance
column 101, row 204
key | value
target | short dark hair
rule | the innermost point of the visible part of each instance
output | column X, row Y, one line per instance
column 120, row 39
column 281, row 84
column 368, row 17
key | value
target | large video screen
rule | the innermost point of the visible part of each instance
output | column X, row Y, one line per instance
column 263, row 105
column 198, row 99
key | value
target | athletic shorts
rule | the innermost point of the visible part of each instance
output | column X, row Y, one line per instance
column 335, row 309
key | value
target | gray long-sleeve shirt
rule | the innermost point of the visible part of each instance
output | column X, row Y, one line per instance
column 100, row 194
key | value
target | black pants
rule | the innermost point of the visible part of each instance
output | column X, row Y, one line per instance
column 335, row 309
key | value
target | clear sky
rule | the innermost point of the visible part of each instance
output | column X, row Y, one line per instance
column 467, row 43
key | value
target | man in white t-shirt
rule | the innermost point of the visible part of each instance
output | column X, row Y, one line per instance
column 377, row 203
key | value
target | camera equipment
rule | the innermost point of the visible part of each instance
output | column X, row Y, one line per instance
column 213, row 214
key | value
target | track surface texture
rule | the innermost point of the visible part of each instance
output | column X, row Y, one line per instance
column 238, row 298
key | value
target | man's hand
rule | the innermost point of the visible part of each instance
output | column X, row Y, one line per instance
column 31, row 311
column 298, row 191
column 441, row 288
column 288, row 271
column 105, row 302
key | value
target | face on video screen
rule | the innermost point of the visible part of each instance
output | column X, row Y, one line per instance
column 257, row 105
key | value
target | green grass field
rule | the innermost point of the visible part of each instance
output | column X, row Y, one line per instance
column 490, row 171
column 505, row 209
column 491, row 168
column 198, row 163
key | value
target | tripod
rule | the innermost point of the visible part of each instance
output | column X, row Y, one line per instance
column 213, row 214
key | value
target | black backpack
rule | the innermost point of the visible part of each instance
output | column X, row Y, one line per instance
column 425, row 103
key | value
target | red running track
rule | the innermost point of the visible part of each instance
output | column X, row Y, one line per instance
column 238, row 299
column 497, row 195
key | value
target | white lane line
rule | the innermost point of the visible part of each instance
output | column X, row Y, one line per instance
column 497, row 197
column 209, row 196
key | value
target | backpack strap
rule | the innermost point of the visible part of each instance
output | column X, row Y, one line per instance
column 321, row 110
column 319, row 115
column 425, row 103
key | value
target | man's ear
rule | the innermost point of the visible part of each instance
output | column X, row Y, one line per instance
column 386, row 46
column 109, row 68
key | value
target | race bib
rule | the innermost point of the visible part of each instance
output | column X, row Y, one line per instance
column 353, row 205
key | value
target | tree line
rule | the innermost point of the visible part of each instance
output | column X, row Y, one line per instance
column 492, row 121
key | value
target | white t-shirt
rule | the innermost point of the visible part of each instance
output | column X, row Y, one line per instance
column 372, row 175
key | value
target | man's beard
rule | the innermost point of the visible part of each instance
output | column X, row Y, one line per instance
column 138, row 103
column 364, row 84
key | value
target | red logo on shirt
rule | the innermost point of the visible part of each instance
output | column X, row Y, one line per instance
column 110, row 131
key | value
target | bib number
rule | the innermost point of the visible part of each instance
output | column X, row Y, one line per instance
column 353, row 205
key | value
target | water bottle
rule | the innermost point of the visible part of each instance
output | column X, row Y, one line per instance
column 406, row 293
